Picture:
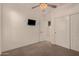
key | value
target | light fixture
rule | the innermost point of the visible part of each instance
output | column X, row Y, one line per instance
column 43, row 6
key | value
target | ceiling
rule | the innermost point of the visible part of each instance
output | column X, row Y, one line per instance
column 58, row 4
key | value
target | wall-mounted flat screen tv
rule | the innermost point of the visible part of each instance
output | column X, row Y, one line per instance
column 31, row 22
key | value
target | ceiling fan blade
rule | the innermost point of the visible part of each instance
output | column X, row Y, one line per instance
column 53, row 6
column 35, row 6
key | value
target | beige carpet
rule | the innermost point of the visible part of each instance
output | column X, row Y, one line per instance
column 41, row 49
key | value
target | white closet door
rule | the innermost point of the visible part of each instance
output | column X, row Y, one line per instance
column 62, row 31
column 75, row 32
column 44, row 30
column 0, row 28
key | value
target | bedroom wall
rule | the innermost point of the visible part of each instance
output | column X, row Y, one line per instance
column 65, row 10
column 0, row 28
column 46, row 30
column 48, row 18
column 16, row 32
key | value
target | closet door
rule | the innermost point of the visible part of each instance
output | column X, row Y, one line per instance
column 44, row 35
column 62, row 31
column 0, row 28
column 75, row 32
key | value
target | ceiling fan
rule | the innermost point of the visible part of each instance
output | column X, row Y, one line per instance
column 44, row 6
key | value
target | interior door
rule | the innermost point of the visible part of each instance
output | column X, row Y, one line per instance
column 44, row 36
column 0, row 29
column 45, row 28
column 75, row 32
column 62, row 31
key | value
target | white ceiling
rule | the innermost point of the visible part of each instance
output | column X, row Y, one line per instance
column 48, row 10
column 57, row 4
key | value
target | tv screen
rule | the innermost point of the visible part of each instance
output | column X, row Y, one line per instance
column 31, row 22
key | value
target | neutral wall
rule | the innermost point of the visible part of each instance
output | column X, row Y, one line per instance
column 42, row 23
column 0, row 28
column 65, row 10
column 49, row 34
column 50, row 29
column 44, row 35
column 16, row 33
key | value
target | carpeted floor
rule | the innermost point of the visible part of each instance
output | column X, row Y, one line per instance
column 41, row 49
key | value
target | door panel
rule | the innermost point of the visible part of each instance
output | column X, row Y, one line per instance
column 44, row 30
column 0, row 28
column 75, row 32
column 62, row 31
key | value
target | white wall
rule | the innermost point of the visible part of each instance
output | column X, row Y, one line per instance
column 44, row 35
column 49, row 34
column 42, row 23
column 16, row 33
column 0, row 28
column 66, row 9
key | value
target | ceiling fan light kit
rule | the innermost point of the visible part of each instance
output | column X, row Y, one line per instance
column 44, row 6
